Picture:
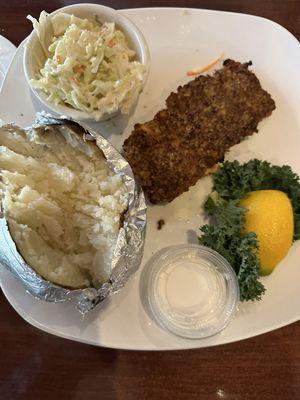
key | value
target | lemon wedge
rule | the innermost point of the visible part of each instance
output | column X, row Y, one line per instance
column 270, row 215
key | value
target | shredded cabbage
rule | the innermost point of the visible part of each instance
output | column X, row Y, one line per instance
column 88, row 66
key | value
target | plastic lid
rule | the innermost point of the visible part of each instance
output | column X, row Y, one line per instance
column 191, row 290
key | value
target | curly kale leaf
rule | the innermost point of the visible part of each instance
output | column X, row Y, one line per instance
column 239, row 250
column 234, row 181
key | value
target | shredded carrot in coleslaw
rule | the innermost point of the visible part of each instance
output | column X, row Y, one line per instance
column 111, row 43
column 58, row 59
column 198, row 71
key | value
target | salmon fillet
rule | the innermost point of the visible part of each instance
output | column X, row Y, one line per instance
column 201, row 121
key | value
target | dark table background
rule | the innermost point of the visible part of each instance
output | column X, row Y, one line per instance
column 37, row 366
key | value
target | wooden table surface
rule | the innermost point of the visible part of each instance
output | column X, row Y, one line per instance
column 35, row 365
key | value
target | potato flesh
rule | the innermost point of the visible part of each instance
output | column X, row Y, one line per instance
column 63, row 204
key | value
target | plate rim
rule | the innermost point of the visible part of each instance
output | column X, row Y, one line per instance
column 51, row 331
column 11, row 48
column 209, row 10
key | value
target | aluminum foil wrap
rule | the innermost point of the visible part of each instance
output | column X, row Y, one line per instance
column 129, row 247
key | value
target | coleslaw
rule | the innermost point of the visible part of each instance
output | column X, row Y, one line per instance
column 89, row 65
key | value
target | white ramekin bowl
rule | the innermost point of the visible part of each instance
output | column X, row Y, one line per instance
column 33, row 52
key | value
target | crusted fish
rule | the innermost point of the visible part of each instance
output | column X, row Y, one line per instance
column 201, row 121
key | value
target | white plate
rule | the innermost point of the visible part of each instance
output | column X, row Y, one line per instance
column 7, row 50
column 180, row 40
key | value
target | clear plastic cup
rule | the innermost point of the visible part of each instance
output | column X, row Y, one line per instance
column 190, row 290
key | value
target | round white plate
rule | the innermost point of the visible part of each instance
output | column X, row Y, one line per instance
column 180, row 40
column 7, row 50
